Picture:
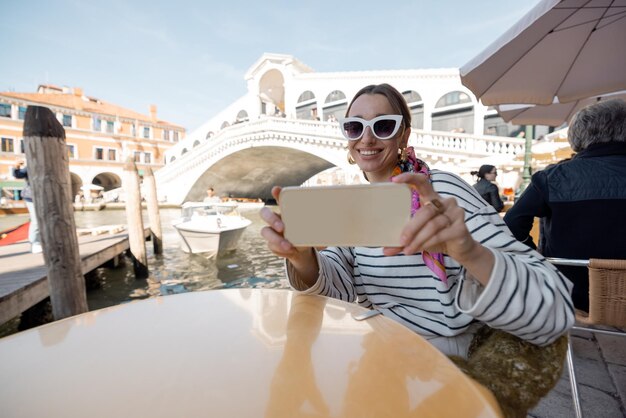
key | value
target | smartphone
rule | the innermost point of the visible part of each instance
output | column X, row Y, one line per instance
column 365, row 215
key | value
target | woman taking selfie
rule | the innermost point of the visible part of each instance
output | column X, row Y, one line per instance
column 484, row 280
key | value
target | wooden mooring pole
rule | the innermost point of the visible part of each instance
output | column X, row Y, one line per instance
column 49, row 178
column 154, row 216
column 134, row 218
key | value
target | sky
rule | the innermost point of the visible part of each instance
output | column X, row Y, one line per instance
column 189, row 57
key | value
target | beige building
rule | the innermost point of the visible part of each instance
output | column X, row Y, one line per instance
column 100, row 136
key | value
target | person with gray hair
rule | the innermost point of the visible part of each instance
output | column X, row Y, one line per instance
column 581, row 201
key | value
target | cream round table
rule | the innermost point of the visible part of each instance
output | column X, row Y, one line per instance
column 232, row 353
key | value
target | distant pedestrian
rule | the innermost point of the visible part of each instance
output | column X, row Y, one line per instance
column 486, row 188
column 34, row 237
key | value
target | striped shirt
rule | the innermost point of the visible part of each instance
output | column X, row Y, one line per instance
column 526, row 295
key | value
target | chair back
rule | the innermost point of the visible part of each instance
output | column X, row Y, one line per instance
column 607, row 291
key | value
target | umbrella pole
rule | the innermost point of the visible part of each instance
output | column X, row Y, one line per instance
column 528, row 152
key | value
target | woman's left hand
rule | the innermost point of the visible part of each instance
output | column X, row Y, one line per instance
column 437, row 226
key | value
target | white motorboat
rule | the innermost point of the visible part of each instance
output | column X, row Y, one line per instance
column 210, row 228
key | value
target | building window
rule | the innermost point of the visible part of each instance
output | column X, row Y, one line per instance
column 133, row 130
column 175, row 136
column 5, row 110
column 71, row 151
column 112, row 154
column 166, row 135
column 147, row 158
column 110, row 126
column 21, row 113
column 99, row 153
column 97, row 124
column 7, row 145
column 67, row 120
column 146, row 132
column 137, row 156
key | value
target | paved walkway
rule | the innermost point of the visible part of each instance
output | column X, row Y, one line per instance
column 600, row 362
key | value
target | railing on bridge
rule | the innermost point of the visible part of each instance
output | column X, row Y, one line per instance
column 475, row 145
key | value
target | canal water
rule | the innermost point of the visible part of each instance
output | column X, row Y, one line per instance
column 251, row 265
column 174, row 271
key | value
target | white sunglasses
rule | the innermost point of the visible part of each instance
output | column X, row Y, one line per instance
column 383, row 127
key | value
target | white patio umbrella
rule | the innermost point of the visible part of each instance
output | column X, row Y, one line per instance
column 554, row 114
column 563, row 49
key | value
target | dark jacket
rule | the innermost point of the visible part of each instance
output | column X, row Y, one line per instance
column 489, row 192
column 21, row 173
column 582, row 203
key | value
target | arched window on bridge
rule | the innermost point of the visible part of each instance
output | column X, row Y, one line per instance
column 184, row 151
column 196, row 143
column 225, row 125
column 416, row 105
column 172, row 159
column 306, row 108
column 209, row 135
column 242, row 116
column 335, row 105
column 493, row 124
column 454, row 112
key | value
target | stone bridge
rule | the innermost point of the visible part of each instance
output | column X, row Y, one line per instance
column 247, row 159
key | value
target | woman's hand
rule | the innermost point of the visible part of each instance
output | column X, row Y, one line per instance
column 274, row 232
column 302, row 258
column 439, row 226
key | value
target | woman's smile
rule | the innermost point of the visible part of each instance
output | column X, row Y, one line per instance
column 369, row 152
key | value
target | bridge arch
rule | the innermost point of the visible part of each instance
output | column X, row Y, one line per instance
column 76, row 182
column 107, row 180
column 252, row 172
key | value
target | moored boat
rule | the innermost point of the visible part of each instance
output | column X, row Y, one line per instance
column 13, row 209
column 15, row 234
column 89, row 206
column 210, row 228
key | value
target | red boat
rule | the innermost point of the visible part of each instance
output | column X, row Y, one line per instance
column 15, row 234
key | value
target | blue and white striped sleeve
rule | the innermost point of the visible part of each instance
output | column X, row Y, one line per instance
column 336, row 266
column 525, row 296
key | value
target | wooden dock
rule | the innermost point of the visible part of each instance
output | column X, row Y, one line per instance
column 23, row 275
